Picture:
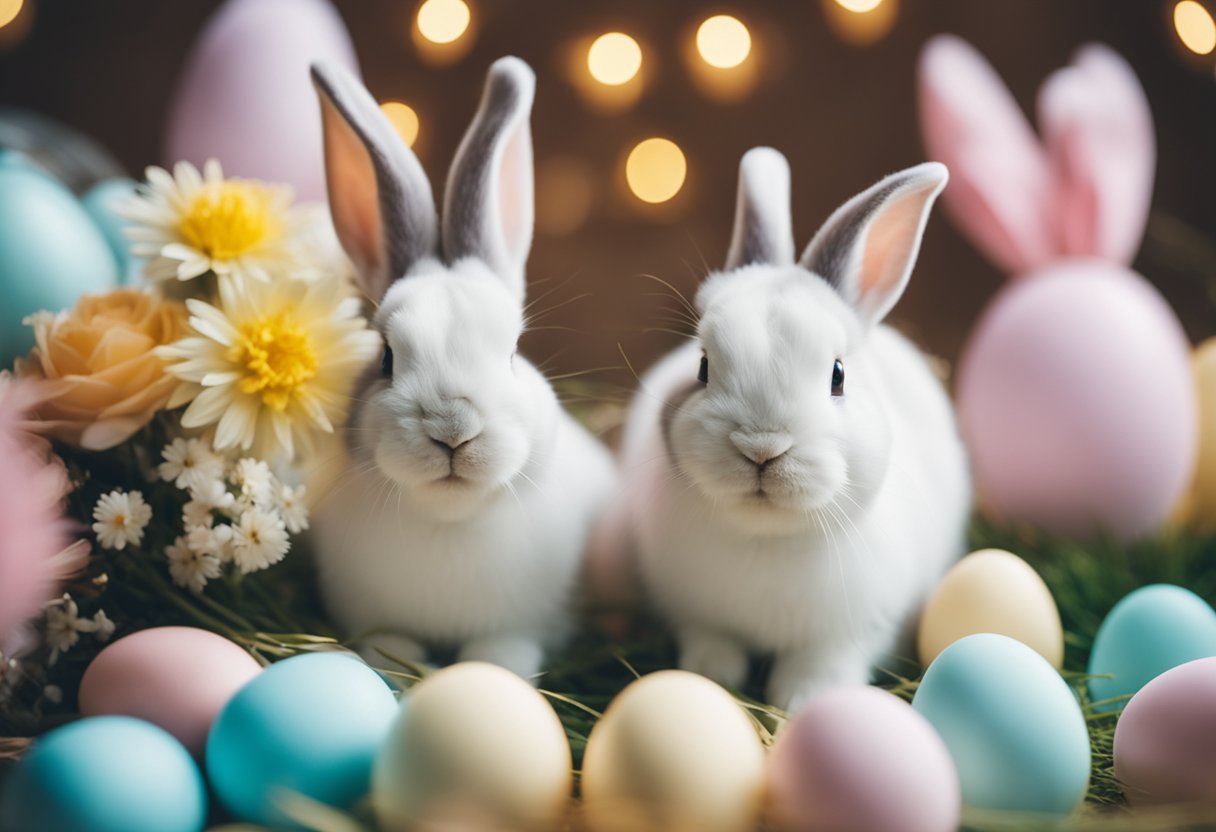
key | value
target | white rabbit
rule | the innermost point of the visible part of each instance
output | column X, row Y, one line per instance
column 800, row 494
column 470, row 493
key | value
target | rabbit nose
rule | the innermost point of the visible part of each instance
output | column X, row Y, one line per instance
column 450, row 443
column 761, row 448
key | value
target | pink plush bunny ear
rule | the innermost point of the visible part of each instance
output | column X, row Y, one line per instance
column 1099, row 134
column 1000, row 182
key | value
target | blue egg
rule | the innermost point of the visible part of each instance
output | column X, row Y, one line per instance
column 311, row 724
column 1150, row 631
column 1013, row 726
column 105, row 774
column 51, row 251
column 99, row 202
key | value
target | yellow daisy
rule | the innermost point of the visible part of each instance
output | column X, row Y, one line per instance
column 189, row 224
column 272, row 366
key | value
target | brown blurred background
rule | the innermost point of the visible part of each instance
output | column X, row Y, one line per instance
column 841, row 110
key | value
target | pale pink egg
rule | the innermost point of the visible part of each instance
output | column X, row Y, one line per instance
column 1165, row 742
column 245, row 96
column 178, row 678
column 1077, row 402
column 859, row 759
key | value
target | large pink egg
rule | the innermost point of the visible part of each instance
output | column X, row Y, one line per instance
column 1165, row 741
column 1077, row 402
column 178, row 678
column 859, row 759
column 245, row 96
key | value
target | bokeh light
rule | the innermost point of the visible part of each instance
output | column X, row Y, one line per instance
column 1195, row 27
column 859, row 6
column 723, row 41
column 655, row 170
column 614, row 58
column 443, row 21
column 9, row 9
column 861, row 22
column 404, row 120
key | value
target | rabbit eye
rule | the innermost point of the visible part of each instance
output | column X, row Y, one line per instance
column 386, row 362
column 838, row 378
column 703, row 373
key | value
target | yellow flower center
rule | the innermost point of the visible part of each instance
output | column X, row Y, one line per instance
column 277, row 356
column 229, row 219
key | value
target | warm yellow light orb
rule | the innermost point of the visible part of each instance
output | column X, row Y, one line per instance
column 655, row 170
column 614, row 58
column 859, row 6
column 1195, row 27
column 443, row 21
column 404, row 120
column 723, row 41
column 9, row 9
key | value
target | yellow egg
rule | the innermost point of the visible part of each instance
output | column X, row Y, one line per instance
column 992, row 591
column 1198, row 507
column 673, row 751
column 473, row 746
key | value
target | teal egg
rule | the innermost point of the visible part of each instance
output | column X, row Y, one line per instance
column 1150, row 631
column 311, row 724
column 1012, row 725
column 105, row 774
column 51, row 251
column 99, row 202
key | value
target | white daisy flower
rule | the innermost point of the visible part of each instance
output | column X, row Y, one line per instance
column 254, row 479
column 53, row 694
column 259, row 540
column 214, row 495
column 190, row 224
column 292, row 508
column 196, row 513
column 191, row 569
column 208, row 540
column 189, row 461
column 103, row 627
column 121, row 519
column 64, row 626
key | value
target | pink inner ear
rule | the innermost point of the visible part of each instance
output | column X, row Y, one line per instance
column 354, row 199
column 514, row 191
column 890, row 246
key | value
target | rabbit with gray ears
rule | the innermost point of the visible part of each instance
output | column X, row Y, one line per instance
column 470, row 493
column 794, row 480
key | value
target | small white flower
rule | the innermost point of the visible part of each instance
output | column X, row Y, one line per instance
column 195, row 513
column 53, row 694
column 214, row 495
column 121, row 519
column 292, row 508
column 103, row 627
column 189, row 568
column 188, row 461
column 253, row 478
column 208, row 540
column 259, row 540
column 64, row 626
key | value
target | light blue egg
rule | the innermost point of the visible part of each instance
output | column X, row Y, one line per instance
column 311, row 724
column 51, row 251
column 105, row 774
column 99, row 202
column 1013, row 726
column 1150, row 631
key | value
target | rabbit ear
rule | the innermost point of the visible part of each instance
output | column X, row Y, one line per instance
column 487, row 210
column 867, row 248
column 379, row 196
column 763, row 233
column 1099, row 135
column 1000, row 188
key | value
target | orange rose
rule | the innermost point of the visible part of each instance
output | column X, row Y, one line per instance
column 97, row 377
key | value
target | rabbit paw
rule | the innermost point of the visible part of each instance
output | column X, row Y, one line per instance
column 713, row 656
column 519, row 654
column 798, row 677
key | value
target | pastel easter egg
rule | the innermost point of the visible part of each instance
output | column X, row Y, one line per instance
column 861, row 759
column 1148, row 632
column 176, row 677
column 1199, row 505
column 311, row 724
column 1053, row 405
column 245, row 97
column 1165, row 740
column 673, row 751
column 473, row 741
column 51, row 251
column 99, row 201
column 991, row 591
column 106, row 774
column 1012, row 725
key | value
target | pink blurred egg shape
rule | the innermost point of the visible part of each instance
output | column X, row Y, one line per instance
column 1165, row 740
column 178, row 678
column 245, row 97
column 1076, row 400
column 859, row 759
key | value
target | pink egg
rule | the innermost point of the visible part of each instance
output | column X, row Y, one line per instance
column 175, row 677
column 861, row 759
column 1165, row 742
column 1077, row 403
column 245, row 96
